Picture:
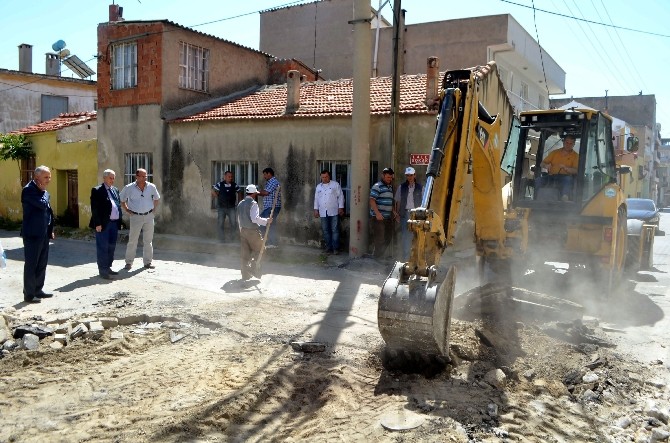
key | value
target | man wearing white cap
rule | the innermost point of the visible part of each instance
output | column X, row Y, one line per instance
column 407, row 197
column 251, row 242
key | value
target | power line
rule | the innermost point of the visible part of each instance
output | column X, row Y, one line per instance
column 586, row 20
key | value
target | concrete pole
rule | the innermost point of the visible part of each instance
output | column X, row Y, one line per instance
column 360, row 131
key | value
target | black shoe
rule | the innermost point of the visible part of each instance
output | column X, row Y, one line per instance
column 44, row 295
column 113, row 272
column 149, row 266
column 107, row 277
column 31, row 300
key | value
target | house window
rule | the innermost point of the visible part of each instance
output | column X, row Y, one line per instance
column 244, row 173
column 193, row 67
column 124, row 65
column 27, row 169
column 340, row 171
column 135, row 161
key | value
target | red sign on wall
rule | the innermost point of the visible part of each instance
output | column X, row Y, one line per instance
column 419, row 159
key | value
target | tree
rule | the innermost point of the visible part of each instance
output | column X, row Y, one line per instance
column 15, row 147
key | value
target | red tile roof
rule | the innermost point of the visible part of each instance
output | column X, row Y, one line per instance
column 320, row 99
column 60, row 122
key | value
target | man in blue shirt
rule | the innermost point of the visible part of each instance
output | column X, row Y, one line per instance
column 271, row 190
column 382, row 212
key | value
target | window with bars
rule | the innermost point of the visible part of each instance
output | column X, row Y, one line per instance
column 244, row 173
column 340, row 171
column 193, row 67
column 124, row 65
column 133, row 162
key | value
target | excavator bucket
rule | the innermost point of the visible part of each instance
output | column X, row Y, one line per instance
column 414, row 313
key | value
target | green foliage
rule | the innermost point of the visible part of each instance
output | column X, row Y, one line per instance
column 14, row 147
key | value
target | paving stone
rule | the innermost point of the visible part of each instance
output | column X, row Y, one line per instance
column 96, row 327
column 78, row 331
column 88, row 320
column 131, row 319
column 60, row 338
column 109, row 322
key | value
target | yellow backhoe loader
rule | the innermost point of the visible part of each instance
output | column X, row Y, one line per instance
column 525, row 211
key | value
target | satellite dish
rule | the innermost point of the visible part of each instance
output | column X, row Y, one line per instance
column 59, row 45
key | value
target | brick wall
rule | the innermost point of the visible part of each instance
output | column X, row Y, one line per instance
column 149, row 63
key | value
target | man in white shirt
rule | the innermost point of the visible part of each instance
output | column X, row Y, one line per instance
column 251, row 242
column 407, row 197
column 139, row 199
column 329, row 206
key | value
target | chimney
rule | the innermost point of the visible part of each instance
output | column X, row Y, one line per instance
column 292, row 91
column 115, row 13
column 52, row 64
column 432, row 79
column 26, row 58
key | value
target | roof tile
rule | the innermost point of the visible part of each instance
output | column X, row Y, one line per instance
column 320, row 99
column 60, row 122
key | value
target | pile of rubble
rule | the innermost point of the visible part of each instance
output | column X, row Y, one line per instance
column 21, row 334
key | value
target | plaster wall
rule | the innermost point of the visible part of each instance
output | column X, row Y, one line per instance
column 59, row 157
column 292, row 147
column 131, row 129
column 21, row 106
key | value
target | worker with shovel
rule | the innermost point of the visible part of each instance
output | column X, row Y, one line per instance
column 251, row 242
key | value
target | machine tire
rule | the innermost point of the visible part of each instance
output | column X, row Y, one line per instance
column 633, row 253
column 617, row 269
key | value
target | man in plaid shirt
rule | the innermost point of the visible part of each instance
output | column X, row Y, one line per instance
column 271, row 188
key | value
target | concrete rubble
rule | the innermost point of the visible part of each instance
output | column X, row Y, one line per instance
column 16, row 334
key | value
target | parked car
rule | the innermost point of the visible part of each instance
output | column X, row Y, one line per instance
column 643, row 209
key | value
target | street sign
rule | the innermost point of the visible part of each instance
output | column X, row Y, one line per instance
column 419, row 159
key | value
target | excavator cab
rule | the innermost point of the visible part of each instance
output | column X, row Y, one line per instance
column 540, row 138
column 575, row 207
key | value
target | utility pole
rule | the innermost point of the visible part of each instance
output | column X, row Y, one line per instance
column 398, row 62
column 360, row 131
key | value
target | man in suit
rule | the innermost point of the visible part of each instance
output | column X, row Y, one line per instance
column 105, row 219
column 36, row 230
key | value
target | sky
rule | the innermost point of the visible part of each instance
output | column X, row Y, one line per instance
column 618, row 46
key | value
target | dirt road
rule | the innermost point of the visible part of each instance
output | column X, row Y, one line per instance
column 234, row 376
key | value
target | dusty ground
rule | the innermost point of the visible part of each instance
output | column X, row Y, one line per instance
column 245, row 382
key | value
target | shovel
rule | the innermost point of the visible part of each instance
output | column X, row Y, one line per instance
column 257, row 268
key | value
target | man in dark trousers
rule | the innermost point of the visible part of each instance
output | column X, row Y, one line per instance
column 36, row 230
column 407, row 197
column 105, row 219
column 251, row 241
column 226, row 192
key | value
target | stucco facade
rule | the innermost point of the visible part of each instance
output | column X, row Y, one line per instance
column 69, row 152
column 21, row 106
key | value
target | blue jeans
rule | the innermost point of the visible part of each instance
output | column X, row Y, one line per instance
column 330, row 225
column 231, row 214
column 561, row 181
column 105, row 245
column 272, row 235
